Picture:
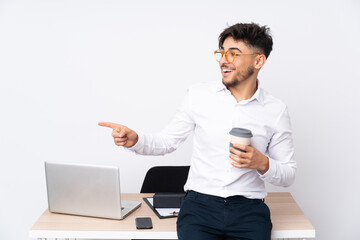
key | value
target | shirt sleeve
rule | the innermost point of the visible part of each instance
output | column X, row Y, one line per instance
column 171, row 137
column 282, row 166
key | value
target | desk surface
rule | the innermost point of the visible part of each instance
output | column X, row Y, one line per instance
column 288, row 222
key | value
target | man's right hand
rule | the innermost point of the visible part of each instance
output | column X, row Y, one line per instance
column 123, row 136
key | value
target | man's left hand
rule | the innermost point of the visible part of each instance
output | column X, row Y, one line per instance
column 251, row 158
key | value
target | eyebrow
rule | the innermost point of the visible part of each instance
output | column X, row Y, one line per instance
column 232, row 48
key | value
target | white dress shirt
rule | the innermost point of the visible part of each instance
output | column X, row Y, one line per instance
column 210, row 111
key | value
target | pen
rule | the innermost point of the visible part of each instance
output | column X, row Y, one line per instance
column 174, row 213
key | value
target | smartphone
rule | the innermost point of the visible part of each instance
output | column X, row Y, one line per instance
column 143, row 223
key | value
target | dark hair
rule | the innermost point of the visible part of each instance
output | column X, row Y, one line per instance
column 251, row 34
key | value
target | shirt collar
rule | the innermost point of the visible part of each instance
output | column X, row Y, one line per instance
column 258, row 95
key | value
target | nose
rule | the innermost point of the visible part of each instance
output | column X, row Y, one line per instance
column 223, row 60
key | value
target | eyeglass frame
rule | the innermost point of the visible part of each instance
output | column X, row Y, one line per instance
column 235, row 54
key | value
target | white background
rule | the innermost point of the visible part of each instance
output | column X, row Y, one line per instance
column 66, row 65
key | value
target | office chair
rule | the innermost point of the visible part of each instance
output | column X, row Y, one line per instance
column 165, row 179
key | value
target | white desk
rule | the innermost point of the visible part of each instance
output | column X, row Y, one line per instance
column 287, row 218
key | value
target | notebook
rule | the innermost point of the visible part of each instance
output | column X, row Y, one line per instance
column 86, row 190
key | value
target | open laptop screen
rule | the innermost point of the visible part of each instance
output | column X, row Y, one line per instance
column 88, row 190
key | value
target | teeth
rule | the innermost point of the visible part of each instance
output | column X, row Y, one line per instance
column 226, row 70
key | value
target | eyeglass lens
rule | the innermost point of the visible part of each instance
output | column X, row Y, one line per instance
column 228, row 55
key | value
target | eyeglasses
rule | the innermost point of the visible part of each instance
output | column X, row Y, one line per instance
column 229, row 55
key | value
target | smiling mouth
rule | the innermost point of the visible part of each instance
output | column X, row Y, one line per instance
column 226, row 71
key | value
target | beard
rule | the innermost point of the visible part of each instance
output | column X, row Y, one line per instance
column 238, row 79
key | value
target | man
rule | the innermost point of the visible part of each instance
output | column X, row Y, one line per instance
column 224, row 198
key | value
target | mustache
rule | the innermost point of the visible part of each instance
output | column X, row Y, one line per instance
column 226, row 66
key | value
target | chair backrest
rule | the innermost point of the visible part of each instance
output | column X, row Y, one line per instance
column 165, row 179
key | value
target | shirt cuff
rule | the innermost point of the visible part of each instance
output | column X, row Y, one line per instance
column 270, row 172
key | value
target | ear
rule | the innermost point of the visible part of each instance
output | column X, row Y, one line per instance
column 259, row 61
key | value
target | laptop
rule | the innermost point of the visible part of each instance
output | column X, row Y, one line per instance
column 86, row 190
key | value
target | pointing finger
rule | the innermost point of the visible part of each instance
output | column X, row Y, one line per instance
column 114, row 126
column 106, row 124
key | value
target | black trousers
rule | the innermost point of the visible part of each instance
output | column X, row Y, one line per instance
column 206, row 217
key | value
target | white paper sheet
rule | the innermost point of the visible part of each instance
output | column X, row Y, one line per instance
column 165, row 212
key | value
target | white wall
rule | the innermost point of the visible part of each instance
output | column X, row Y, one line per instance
column 65, row 65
